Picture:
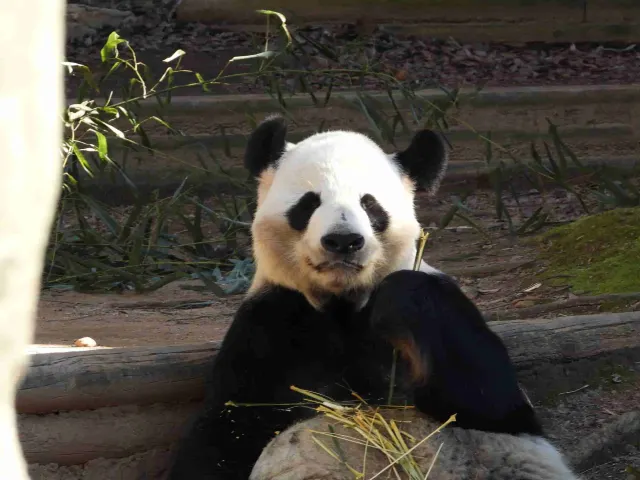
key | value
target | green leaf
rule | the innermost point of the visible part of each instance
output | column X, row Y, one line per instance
column 116, row 65
column 541, row 169
column 101, row 213
column 103, row 149
column 133, row 217
column 111, row 111
column 473, row 224
column 211, row 285
column 283, row 22
column 368, row 114
column 81, row 158
column 531, row 221
column 178, row 192
column 162, row 122
column 460, row 202
column 144, row 138
column 87, row 75
column 112, row 43
column 115, row 131
column 446, row 219
column 495, row 177
column 165, row 281
column 135, row 254
column 327, row 96
column 558, row 177
column 307, row 89
column 202, row 81
column 488, row 156
column 553, row 131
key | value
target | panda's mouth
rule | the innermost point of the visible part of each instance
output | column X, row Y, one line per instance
column 342, row 264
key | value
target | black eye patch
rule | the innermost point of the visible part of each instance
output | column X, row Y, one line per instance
column 378, row 216
column 300, row 214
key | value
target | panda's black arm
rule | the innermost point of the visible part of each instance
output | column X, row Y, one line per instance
column 224, row 441
column 462, row 366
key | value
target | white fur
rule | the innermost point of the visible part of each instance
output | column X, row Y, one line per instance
column 341, row 167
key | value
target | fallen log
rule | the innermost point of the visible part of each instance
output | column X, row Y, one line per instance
column 545, row 308
column 84, row 380
column 73, row 438
column 566, row 339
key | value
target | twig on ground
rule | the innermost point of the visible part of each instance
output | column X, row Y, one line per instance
column 559, row 305
column 173, row 304
column 574, row 391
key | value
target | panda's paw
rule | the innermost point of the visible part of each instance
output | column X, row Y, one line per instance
column 417, row 303
column 398, row 314
column 401, row 298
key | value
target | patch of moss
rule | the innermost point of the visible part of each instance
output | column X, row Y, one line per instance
column 596, row 254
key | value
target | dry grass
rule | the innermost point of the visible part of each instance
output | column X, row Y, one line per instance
column 371, row 430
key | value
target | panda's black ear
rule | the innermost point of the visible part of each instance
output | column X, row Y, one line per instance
column 425, row 159
column 266, row 145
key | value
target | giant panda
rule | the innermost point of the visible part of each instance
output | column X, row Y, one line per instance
column 334, row 239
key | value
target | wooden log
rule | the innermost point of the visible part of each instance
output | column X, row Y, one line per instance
column 82, row 380
column 147, row 465
column 564, row 339
column 74, row 438
column 88, row 379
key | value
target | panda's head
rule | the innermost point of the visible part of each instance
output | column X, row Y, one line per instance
column 335, row 213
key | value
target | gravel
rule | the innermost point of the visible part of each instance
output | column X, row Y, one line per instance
column 421, row 62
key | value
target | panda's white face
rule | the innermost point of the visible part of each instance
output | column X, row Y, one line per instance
column 335, row 216
column 337, row 212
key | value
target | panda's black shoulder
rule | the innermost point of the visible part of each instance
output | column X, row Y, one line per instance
column 267, row 315
column 277, row 321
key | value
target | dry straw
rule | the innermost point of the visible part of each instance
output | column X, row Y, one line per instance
column 371, row 430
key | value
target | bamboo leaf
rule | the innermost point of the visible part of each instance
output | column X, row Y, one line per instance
column 81, row 158
column 530, row 221
column 283, row 22
column 103, row 149
column 177, row 54
column 101, row 213
column 473, row 224
column 262, row 55
column 448, row 217
column 167, row 279
column 112, row 43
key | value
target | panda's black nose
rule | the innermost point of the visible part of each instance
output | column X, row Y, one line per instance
column 342, row 243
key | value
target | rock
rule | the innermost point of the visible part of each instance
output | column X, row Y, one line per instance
column 85, row 342
column 85, row 21
column 523, row 303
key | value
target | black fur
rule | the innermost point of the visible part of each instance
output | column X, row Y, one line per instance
column 277, row 340
column 266, row 145
column 425, row 159
column 299, row 215
column 470, row 372
column 378, row 216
